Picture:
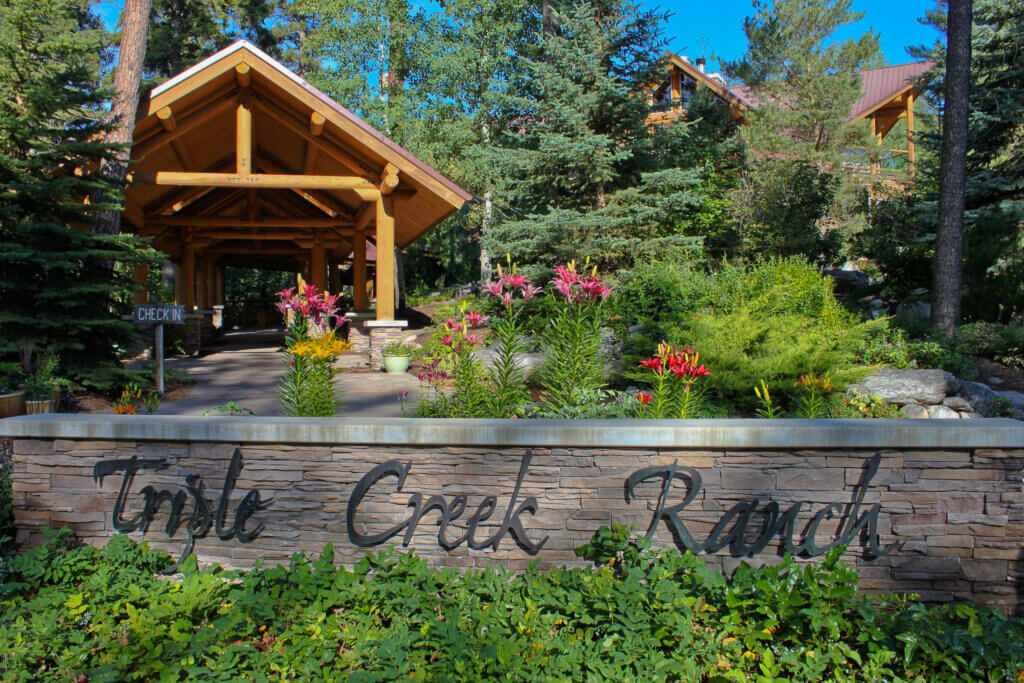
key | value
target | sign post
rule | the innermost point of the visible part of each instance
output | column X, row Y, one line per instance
column 159, row 315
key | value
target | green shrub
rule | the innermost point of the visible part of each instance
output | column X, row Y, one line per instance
column 100, row 614
column 742, row 348
column 774, row 320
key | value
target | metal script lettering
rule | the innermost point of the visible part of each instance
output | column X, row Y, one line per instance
column 199, row 520
column 731, row 529
column 448, row 511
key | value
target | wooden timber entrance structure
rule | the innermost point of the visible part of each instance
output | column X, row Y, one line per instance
column 238, row 161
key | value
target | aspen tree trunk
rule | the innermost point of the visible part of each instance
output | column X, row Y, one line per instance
column 486, row 268
column 948, row 265
column 127, row 79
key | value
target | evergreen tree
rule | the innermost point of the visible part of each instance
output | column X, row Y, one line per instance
column 184, row 32
column 475, row 48
column 57, row 292
column 803, row 85
column 581, row 161
column 993, row 247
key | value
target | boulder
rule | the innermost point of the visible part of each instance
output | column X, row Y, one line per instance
column 914, row 411
column 527, row 361
column 979, row 395
column 914, row 310
column 958, row 403
column 1016, row 400
column 925, row 387
column 848, row 280
column 943, row 413
column 610, row 344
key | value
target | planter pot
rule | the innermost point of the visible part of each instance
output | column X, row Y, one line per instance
column 13, row 404
column 396, row 365
column 46, row 405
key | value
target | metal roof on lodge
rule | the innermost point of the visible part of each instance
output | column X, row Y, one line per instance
column 878, row 86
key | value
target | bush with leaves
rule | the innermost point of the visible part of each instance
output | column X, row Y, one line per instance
column 86, row 613
column 774, row 320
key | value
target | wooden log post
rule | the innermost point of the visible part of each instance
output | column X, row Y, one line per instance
column 385, row 258
column 359, row 299
column 141, row 276
column 911, row 156
column 188, row 276
column 203, row 283
column 218, row 286
column 318, row 265
column 243, row 140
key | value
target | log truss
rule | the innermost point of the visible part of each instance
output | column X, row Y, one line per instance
column 252, row 203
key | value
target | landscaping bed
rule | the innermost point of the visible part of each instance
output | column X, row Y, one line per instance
column 88, row 614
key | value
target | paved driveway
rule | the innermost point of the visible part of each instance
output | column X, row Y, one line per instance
column 248, row 370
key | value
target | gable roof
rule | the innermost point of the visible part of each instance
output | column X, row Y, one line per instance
column 878, row 86
column 201, row 99
column 881, row 84
column 714, row 82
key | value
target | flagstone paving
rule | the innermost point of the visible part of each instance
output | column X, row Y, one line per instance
column 247, row 371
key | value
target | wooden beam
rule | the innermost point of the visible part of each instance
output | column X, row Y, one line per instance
column 204, row 115
column 359, row 298
column 309, row 157
column 181, row 198
column 265, row 235
column 385, row 258
column 243, row 74
column 365, row 216
column 316, row 123
column 269, row 251
column 263, row 222
column 260, row 180
column 166, row 118
column 388, row 179
column 243, row 140
column 322, row 200
column 275, row 112
column 134, row 214
column 293, row 206
column 214, row 203
column 183, row 155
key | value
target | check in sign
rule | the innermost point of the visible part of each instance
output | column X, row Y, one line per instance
column 165, row 314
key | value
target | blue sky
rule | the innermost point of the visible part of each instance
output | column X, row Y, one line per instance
column 715, row 27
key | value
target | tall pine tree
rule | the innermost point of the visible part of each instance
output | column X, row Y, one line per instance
column 803, row 85
column 585, row 172
column 993, row 248
column 57, row 293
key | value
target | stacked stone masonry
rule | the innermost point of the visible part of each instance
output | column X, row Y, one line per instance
column 958, row 514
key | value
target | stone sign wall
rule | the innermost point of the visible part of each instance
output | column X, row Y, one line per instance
column 946, row 522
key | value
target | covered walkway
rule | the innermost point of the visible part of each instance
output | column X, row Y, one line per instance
column 238, row 161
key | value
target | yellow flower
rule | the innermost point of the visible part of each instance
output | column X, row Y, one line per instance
column 322, row 348
column 749, row 655
column 729, row 640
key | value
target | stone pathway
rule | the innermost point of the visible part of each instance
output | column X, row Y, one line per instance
column 248, row 371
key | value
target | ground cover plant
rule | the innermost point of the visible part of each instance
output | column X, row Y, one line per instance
column 69, row 613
